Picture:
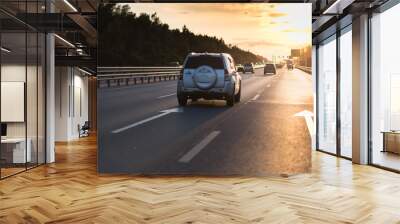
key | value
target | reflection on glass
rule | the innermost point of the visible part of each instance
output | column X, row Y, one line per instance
column 327, row 96
column 346, row 94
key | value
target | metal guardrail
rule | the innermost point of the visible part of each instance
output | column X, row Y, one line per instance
column 259, row 66
column 304, row 69
column 124, row 76
column 119, row 76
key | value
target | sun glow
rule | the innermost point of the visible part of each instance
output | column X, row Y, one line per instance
column 264, row 28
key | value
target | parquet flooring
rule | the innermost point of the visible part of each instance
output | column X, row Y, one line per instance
column 71, row 191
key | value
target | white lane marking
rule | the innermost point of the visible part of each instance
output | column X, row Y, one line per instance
column 200, row 146
column 309, row 121
column 163, row 113
column 164, row 96
column 255, row 97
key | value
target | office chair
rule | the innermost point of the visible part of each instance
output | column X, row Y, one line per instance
column 84, row 130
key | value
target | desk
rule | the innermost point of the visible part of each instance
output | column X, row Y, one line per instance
column 391, row 141
column 13, row 150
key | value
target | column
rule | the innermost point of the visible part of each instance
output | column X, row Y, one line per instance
column 360, row 90
column 50, row 92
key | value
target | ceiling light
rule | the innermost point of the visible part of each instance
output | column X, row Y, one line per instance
column 65, row 41
column 5, row 50
column 70, row 5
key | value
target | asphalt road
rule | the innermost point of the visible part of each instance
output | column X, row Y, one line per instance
column 142, row 130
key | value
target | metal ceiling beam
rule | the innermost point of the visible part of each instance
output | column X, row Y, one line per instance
column 49, row 22
column 82, row 61
column 320, row 22
column 337, row 7
column 83, row 23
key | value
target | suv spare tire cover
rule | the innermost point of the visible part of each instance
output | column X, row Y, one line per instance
column 205, row 77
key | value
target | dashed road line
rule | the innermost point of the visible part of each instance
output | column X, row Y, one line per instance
column 200, row 146
column 165, row 96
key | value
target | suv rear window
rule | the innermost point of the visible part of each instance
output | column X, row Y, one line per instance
column 270, row 67
column 197, row 61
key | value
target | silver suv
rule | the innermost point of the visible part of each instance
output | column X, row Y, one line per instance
column 248, row 67
column 209, row 76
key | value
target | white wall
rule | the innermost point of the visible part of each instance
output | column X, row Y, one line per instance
column 71, row 102
column 33, row 126
column 62, row 82
column 12, row 73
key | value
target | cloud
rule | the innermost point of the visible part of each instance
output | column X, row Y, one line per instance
column 278, row 23
column 277, row 14
column 291, row 30
column 255, row 43
column 227, row 9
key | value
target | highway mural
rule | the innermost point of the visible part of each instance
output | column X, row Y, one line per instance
column 205, row 89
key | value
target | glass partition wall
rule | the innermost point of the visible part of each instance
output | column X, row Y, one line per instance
column 334, row 84
column 22, row 77
column 345, row 61
column 334, row 80
column 385, row 89
column 327, row 95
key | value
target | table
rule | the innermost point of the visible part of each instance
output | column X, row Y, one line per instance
column 391, row 141
column 13, row 150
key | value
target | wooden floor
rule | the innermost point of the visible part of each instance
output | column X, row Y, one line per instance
column 70, row 191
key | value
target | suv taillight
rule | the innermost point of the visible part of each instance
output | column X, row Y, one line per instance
column 226, row 75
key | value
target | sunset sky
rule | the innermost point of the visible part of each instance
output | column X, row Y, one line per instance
column 263, row 28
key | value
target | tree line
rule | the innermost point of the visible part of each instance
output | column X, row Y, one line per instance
column 128, row 39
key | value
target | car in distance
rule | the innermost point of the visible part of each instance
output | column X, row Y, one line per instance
column 174, row 63
column 239, row 68
column 280, row 65
column 209, row 76
column 289, row 65
column 248, row 67
column 269, row 69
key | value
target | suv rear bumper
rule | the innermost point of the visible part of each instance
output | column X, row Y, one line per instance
column 213, row 93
